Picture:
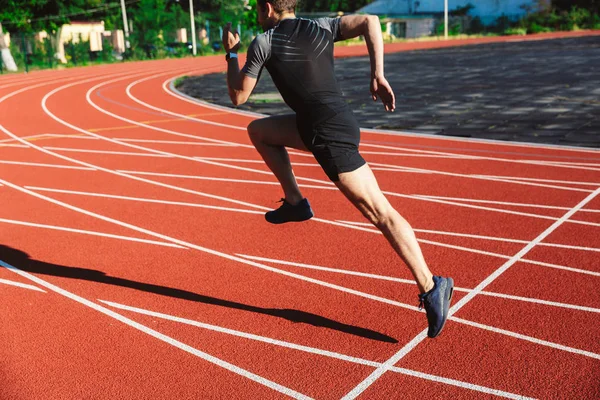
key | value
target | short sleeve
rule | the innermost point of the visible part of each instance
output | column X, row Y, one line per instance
column 332, row 25
column 259, row 53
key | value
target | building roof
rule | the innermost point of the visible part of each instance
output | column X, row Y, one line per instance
column 387, row 7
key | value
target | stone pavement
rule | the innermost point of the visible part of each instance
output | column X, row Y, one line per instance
column 545, row 91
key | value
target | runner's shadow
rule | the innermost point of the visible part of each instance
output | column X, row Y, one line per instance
column 22, row 261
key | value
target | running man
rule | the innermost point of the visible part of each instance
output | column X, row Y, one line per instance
column 298, row 53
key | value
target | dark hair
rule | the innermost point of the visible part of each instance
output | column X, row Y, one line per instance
column 280, row 6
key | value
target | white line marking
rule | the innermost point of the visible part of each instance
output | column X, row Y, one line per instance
column 527, row 338
column 412, row 282
column 398, row 170
column 243, row 160
column 361, row 387
column 327, row 269
column 167, row 339
column 91, row 233
column 474, row 157
column 492, row 238
column 46, row 165
column 18, row 146
column 311, row 350
column 208, row 178
column 174, row 142
column 562, row 267
column 21, row 285
column 384, row 153
column 539, row 301
column 145, row 200
column 121, row 153
column 507, row 203
column 128, row 91
column 518, row 178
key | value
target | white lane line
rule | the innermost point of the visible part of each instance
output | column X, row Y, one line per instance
column 476, row 158
column 310, row 350
column 564, row 165
column 397, row 154
column 327, row 269
column 212, row 178
column 480, row 177
column 500, row 210
column 412, row 282
column 506, row 203
column 518, row 178
column 520, row 182
column 67, row 136
column 528, row 338
column 190, row 143
column 361, row 387
column 492, row 238
column 31, row 164
column 21, row 285
column 144, row 200
column 561, row 267
column 208, row 178
column 543, row 302
column 397, row 170
column 167, row 339
column 18, row 146
column 128, row 91
column 247, row 161
column 584, row 164
column 85, row 232
column 120, row 153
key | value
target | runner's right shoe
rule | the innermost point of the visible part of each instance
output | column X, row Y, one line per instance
column 437, row 303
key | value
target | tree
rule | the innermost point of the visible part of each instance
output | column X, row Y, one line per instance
column 566, row 5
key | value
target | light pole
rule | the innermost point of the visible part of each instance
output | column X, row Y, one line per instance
column 193, row 23
column 446, row 19
column 125, row 25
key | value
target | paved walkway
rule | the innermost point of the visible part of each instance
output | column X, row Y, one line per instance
column 544, row 91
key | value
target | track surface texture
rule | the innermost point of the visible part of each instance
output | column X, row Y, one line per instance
column 135, row 261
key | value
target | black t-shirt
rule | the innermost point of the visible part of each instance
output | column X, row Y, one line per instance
column 298, row 53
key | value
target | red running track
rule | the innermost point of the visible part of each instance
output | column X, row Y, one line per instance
column 137, row 263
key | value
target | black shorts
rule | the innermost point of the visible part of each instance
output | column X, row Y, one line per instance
column 333, row 142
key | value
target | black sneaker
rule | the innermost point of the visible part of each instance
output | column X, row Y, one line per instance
column 289, row 213
column 437, row 303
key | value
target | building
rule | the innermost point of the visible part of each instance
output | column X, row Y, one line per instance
column 415, row 18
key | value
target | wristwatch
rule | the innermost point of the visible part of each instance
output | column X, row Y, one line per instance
column 229, row 56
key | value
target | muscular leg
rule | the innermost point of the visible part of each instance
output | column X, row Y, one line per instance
column 270, row 136
column 361, row 188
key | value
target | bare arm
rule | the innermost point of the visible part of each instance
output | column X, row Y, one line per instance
column 239, row 85
column 352, row 26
